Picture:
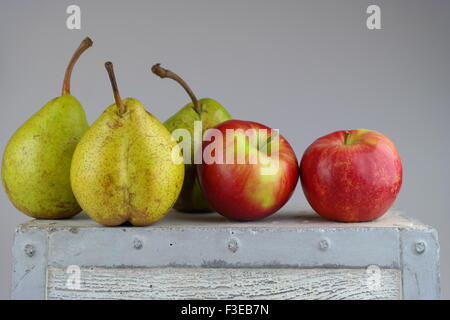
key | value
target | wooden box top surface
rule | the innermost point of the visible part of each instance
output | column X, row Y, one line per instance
column 292, row 216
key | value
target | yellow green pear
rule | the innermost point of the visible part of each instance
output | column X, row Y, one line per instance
column 36, row 162
column 127, row 167
column 210, row 113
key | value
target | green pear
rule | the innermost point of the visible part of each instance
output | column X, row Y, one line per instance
column 210, row 113
column 36, row 161
column 127, row 167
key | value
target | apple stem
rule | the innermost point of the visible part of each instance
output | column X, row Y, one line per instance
column 346, row 137
column 165, row 73
column 117, row 98
column 85, row 44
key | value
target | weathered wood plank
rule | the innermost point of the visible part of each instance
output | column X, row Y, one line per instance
column 226, row 283
column 292, row 217
column 293, row 254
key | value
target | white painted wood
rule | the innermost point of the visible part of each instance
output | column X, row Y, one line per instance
column 29, row 265
column 224, row 283
column 420, row 262
column 293, row 240
column 292, row 217
column 209, row 247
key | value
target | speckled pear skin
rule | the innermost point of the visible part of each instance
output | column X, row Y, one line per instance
column 122, row 169
column 191, row 198
column 36, row 162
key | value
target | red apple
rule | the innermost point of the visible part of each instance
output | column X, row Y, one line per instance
column 351, row 176
column 248, row 191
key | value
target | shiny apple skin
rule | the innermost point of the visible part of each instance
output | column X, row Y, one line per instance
column 239, row 191
column 355, row 182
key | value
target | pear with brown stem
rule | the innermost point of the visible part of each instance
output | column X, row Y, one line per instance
column 127, row 167
column 36, row 162
column 210, row 113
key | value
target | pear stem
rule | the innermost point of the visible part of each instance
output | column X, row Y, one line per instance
column 85, row 44
column 165, row 73
column 346, row 137
column 115, row 88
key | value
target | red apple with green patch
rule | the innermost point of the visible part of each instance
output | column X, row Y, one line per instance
column 351, row 176
column 251, row 187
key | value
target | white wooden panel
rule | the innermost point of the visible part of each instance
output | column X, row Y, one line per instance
column 294, row 254
column 226, row 283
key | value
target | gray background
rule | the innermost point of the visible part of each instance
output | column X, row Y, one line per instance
column 305, row 67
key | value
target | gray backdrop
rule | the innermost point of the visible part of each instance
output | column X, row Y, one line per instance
column 305, row 67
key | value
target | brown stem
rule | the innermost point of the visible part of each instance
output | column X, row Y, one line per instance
column 165, row 73
column 117, row 98
column 85, row 44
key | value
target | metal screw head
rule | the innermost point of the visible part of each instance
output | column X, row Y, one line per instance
column 420, row 247
column 29, row 250
column 324, row 244
column 233, row 245
column 73, row 229
column 137, row 244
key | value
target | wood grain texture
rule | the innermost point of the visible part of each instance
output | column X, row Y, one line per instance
column 294, row 254
column 225, row 283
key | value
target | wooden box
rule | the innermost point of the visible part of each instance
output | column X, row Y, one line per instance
column 293, row 254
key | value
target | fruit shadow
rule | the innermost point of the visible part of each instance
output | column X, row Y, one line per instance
column 288, row 216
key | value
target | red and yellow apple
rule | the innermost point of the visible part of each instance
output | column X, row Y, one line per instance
column 351, row 176
column 247, row 190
